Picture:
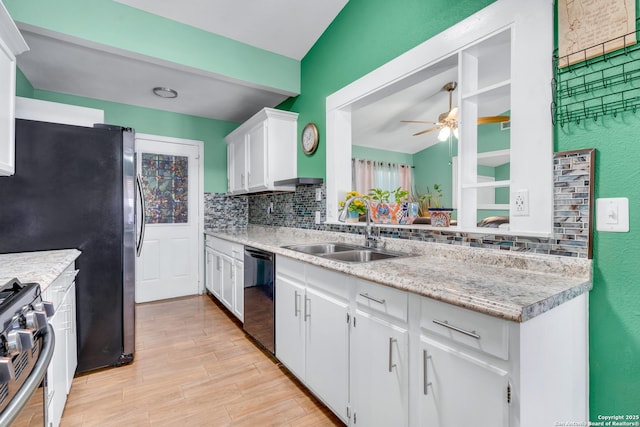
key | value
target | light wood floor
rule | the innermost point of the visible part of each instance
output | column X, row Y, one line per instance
column 193, row 367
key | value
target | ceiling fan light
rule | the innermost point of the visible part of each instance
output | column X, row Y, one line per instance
column 444, row 133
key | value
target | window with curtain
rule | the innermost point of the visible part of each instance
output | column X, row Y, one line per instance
column 368, row 174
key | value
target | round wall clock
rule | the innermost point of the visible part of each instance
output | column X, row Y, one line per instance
column 309, row 138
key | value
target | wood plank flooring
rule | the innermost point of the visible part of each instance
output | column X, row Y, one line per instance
column 194, row 366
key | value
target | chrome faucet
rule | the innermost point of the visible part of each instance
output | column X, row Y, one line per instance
column 370, row 240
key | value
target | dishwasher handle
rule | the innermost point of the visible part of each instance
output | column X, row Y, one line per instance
column 257, row 253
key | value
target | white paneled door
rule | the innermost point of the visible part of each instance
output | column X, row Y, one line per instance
column 168, row 265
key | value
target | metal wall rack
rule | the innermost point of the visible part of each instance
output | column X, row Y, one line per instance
column 606, row 84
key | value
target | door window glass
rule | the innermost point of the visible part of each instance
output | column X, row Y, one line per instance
column 165, row 182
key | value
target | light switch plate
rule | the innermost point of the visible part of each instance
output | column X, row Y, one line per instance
column 612, row 214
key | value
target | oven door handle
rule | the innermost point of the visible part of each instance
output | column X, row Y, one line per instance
column 33, row 381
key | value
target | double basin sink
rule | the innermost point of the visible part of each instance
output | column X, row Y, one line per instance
column 345, row 252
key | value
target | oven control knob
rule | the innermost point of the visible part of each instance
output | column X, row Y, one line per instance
column 45, row 306
column 36, row 320
column 19, row 340
column 7, row 373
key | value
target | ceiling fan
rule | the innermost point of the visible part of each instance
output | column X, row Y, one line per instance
column 448, row 121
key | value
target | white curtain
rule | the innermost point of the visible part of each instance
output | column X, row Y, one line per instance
column 368, row 174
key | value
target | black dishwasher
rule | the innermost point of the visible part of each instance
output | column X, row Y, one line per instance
column 259, row 289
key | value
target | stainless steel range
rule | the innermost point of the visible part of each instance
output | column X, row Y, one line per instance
column 26, row 347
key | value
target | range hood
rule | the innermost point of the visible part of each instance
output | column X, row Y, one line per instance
column 298, row 181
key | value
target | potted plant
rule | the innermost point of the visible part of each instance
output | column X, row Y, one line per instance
column 402, row 211
column 440, row 217
column 356, row 208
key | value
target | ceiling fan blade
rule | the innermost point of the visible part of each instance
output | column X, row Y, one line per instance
column 453, row 114
column 417, row 121
column 426, row 131
column 493, row 119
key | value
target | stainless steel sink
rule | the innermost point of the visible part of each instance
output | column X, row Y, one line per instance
column 322, row 248
column 344, row 252
column 362, row 255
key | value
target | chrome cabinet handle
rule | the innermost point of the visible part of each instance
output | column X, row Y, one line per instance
column 248, row 178
column 307, row 311
column 296, row 308
column 218, row 263
column 242, row 179
column 369, row 297
column 425, row 364
column 391, row 364
column 446, row 324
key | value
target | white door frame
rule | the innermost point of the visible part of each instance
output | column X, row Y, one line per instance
column 200, row 195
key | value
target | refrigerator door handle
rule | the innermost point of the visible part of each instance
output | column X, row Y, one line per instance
column 143, row 207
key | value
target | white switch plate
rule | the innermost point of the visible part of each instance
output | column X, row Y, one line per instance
column 612, row 214
column 317, row 217
column 318, row 194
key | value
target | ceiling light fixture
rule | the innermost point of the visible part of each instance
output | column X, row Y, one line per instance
column 165, row 92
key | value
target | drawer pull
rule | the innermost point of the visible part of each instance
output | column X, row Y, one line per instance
column 296, row 309
column 446, row 324
column 369, row 297
column 391, row 364
column 425, row 361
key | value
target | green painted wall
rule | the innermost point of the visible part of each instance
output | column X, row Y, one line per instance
column 368, row 153
column 23, row 87
column 157, row 122
column 114, row 24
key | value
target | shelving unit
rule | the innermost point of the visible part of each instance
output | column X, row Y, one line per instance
column 598, row 86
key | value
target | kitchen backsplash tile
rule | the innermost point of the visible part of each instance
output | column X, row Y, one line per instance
column 572, row 200
column 222, row 212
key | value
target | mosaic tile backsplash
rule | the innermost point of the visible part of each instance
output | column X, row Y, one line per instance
column 222, row 212
column 572, row 212
column 165, row 179
column 296, row 209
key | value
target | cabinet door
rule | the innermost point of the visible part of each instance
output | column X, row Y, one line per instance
column 327, row 349
column 57, row 371
column 258, row 174
column 379, row 372
column 290, row 325
column 238, row 180
column 209, row 269
column 72, row 342
column 461, row 389
column 227, row 274
column 238, row 289
column 7, row 110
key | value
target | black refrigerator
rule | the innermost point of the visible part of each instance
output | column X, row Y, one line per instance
column 76, row 187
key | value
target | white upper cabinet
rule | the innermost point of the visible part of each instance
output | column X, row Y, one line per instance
column 11, row 45
column 262, row 151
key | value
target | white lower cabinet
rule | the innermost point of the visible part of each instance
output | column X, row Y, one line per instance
column 224, row 275
column 460, row 389
column 62, row 368
column 312, row 330
column 379, row 356
column 379, row 372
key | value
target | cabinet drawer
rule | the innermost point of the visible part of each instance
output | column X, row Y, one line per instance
column 329, row 281
column 382, row 299
column 232, row 249
column 476, row 330
column 290, row 268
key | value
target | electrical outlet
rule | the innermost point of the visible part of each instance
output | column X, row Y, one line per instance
column 317, row 217
column 318, row 194
column 520, row 203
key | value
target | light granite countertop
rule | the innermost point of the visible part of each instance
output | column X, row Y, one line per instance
column 509, row 285
column 41, row 267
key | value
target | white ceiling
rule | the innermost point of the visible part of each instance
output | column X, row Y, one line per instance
column 287, row 27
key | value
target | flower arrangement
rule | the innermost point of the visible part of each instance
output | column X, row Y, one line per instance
column 357, row 205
